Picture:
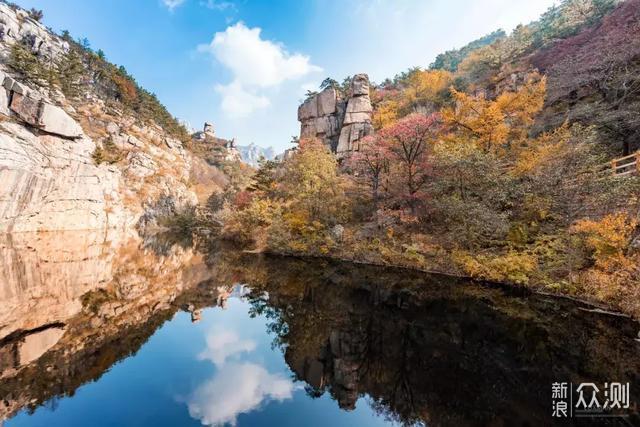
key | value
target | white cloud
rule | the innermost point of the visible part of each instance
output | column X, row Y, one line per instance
column 234, row 390
column 223, row 344
column 172, row 4
column 219, row 5
column 237, row 101
column 256, row 64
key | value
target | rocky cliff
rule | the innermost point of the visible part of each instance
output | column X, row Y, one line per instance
column 82, row 162
column 339, row 120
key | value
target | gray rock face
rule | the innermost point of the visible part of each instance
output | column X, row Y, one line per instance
column 339, row 123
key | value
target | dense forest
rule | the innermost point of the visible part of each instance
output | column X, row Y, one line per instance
column 494, row 163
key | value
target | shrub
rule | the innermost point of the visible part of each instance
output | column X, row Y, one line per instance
column 108, row 153
column 511, row 267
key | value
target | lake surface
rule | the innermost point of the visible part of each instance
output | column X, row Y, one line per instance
column 111, row 330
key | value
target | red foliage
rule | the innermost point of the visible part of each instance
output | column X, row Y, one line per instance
column 595, row 75
column 409, row 142
column 617, row 37
column 371, row 161
column 242, row 199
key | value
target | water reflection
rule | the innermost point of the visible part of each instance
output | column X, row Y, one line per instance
column 419, row 349
column 238, row 386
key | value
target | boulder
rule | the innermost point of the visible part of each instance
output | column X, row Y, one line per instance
column 28, row 109
column 14, row 86
column 55, row 120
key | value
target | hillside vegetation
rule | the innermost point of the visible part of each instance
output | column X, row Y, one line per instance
column 490, row 164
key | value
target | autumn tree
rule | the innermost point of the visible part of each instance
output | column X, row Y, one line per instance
column 371, row 162
column 426, row 90
column 311, row 183
column 264, row 180
column 495, row 125
column 409, row 143
column 386, row 106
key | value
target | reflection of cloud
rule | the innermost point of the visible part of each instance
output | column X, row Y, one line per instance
column 236, row 389
column 222, row 344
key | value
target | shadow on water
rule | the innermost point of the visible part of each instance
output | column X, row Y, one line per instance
column 422, row 349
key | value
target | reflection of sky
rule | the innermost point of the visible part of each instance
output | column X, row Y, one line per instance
column 238, row 386
column 221, row 370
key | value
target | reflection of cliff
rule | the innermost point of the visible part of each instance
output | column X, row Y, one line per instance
column 68, row 311
column 436, row 352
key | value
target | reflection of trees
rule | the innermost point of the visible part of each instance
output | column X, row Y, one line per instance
column 428, row 350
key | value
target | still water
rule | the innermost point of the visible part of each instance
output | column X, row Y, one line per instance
column 99, row 330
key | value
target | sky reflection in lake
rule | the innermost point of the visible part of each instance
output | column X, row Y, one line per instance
column 219, row 371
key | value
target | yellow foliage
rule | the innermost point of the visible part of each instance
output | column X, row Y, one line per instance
column 542, row 151
column 608, row 238
column 385, row 114
column 426, row 87
column 512, row 267
column 495, row 125
column 244, row 225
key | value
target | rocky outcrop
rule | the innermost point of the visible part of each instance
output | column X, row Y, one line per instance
column 321, row 117
column 357, row 120
column 216, row 150
column 17, row 26
column 51, row 179
column 338, row 121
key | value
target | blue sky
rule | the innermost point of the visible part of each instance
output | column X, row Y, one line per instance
column 245, row 65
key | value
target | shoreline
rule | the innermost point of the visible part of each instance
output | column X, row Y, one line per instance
column 594, row 307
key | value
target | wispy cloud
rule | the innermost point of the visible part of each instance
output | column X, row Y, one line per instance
column 220, row 5
column 256, row 64
column 172, row 4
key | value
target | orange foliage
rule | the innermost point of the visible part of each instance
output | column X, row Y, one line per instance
column 495, row 125
column 127, row 89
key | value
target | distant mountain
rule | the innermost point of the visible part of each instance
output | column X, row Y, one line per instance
column 252, row 153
